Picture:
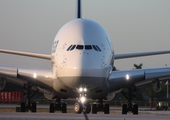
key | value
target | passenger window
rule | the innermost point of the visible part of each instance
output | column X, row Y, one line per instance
column 80, row 47
column 68, row 49
column 88, row 47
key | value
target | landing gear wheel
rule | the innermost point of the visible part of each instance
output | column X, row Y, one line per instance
column 87, row 108
column 27, row 92
column 94, row 109
column 78, row 108
column 22, row 106
column 130, row 96
column 124, row 109
column 64, row 108
column 100, row 107
column 34, row 107
column 135, row 109
column 106, row 109
column 51, row 110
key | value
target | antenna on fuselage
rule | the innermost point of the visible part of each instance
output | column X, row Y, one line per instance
column 78, row 8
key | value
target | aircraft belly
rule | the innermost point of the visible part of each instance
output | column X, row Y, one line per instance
column 74, row 78
column 96, row 90
column 76, row 81
column 70, row 72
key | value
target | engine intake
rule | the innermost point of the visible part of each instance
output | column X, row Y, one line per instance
column 2, row 83
column 157, row 86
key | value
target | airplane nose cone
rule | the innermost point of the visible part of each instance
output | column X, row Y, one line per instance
column 83, row 70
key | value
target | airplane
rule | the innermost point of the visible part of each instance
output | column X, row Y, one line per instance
column 82, row 59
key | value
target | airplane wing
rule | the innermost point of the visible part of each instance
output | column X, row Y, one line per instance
column 127, row 78
column 35, row 55
column 139, row 54
column 37, row 77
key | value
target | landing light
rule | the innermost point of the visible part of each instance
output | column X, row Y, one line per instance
column 85, row 89
column 82, row 99
column 127, row 77
column 35, row 75
column 80, row 89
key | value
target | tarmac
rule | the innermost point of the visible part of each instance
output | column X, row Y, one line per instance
column 71, row 116
column 115, row 114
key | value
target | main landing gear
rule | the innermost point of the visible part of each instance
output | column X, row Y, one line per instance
column 130, row 107
column 58, row 106
column 26, row 106
column 100, row 107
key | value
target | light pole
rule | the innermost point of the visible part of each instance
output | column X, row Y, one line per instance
column 167, row 86
column 167, row 89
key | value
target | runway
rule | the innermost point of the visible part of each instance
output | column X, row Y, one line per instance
column 7, row 112
column 153, row 115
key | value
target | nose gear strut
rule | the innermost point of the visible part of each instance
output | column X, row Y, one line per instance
column 82, row 105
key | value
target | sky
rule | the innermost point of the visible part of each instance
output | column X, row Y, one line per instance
column 133, row 25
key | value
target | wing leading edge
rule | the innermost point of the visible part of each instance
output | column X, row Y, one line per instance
column 37, row 77
column 124, row 79
column 35, row 55
column 140, row 54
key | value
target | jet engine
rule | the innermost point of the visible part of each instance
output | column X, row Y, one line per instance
column 157, row 86
column 110, row 96
column 2, row 83
column 48, row 95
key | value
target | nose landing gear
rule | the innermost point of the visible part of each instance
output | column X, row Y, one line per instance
column 79, row 108
column 82, row 105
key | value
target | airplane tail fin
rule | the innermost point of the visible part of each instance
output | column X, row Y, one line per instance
column 78, row 8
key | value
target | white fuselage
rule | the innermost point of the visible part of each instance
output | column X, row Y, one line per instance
column 82, row 54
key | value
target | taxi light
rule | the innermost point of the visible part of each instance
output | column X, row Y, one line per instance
column 127, row 77
column 80, row 89
column 35, row 75
column 82, row 99
column 85, row 89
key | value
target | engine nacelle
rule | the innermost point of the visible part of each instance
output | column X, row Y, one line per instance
column 2, row 83
column 157, row 86
column 110, row 96
column 48, row 95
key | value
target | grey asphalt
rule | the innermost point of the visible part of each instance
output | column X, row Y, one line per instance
column 144, row 114
column 161, row 115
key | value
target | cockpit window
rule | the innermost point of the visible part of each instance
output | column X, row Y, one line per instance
column 88, row 47
column 80, row 47
column 72, row 47
column 98, row 48
column 69, row 47
column 95, row 48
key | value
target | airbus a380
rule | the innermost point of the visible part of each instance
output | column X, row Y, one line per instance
column 82, row 58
